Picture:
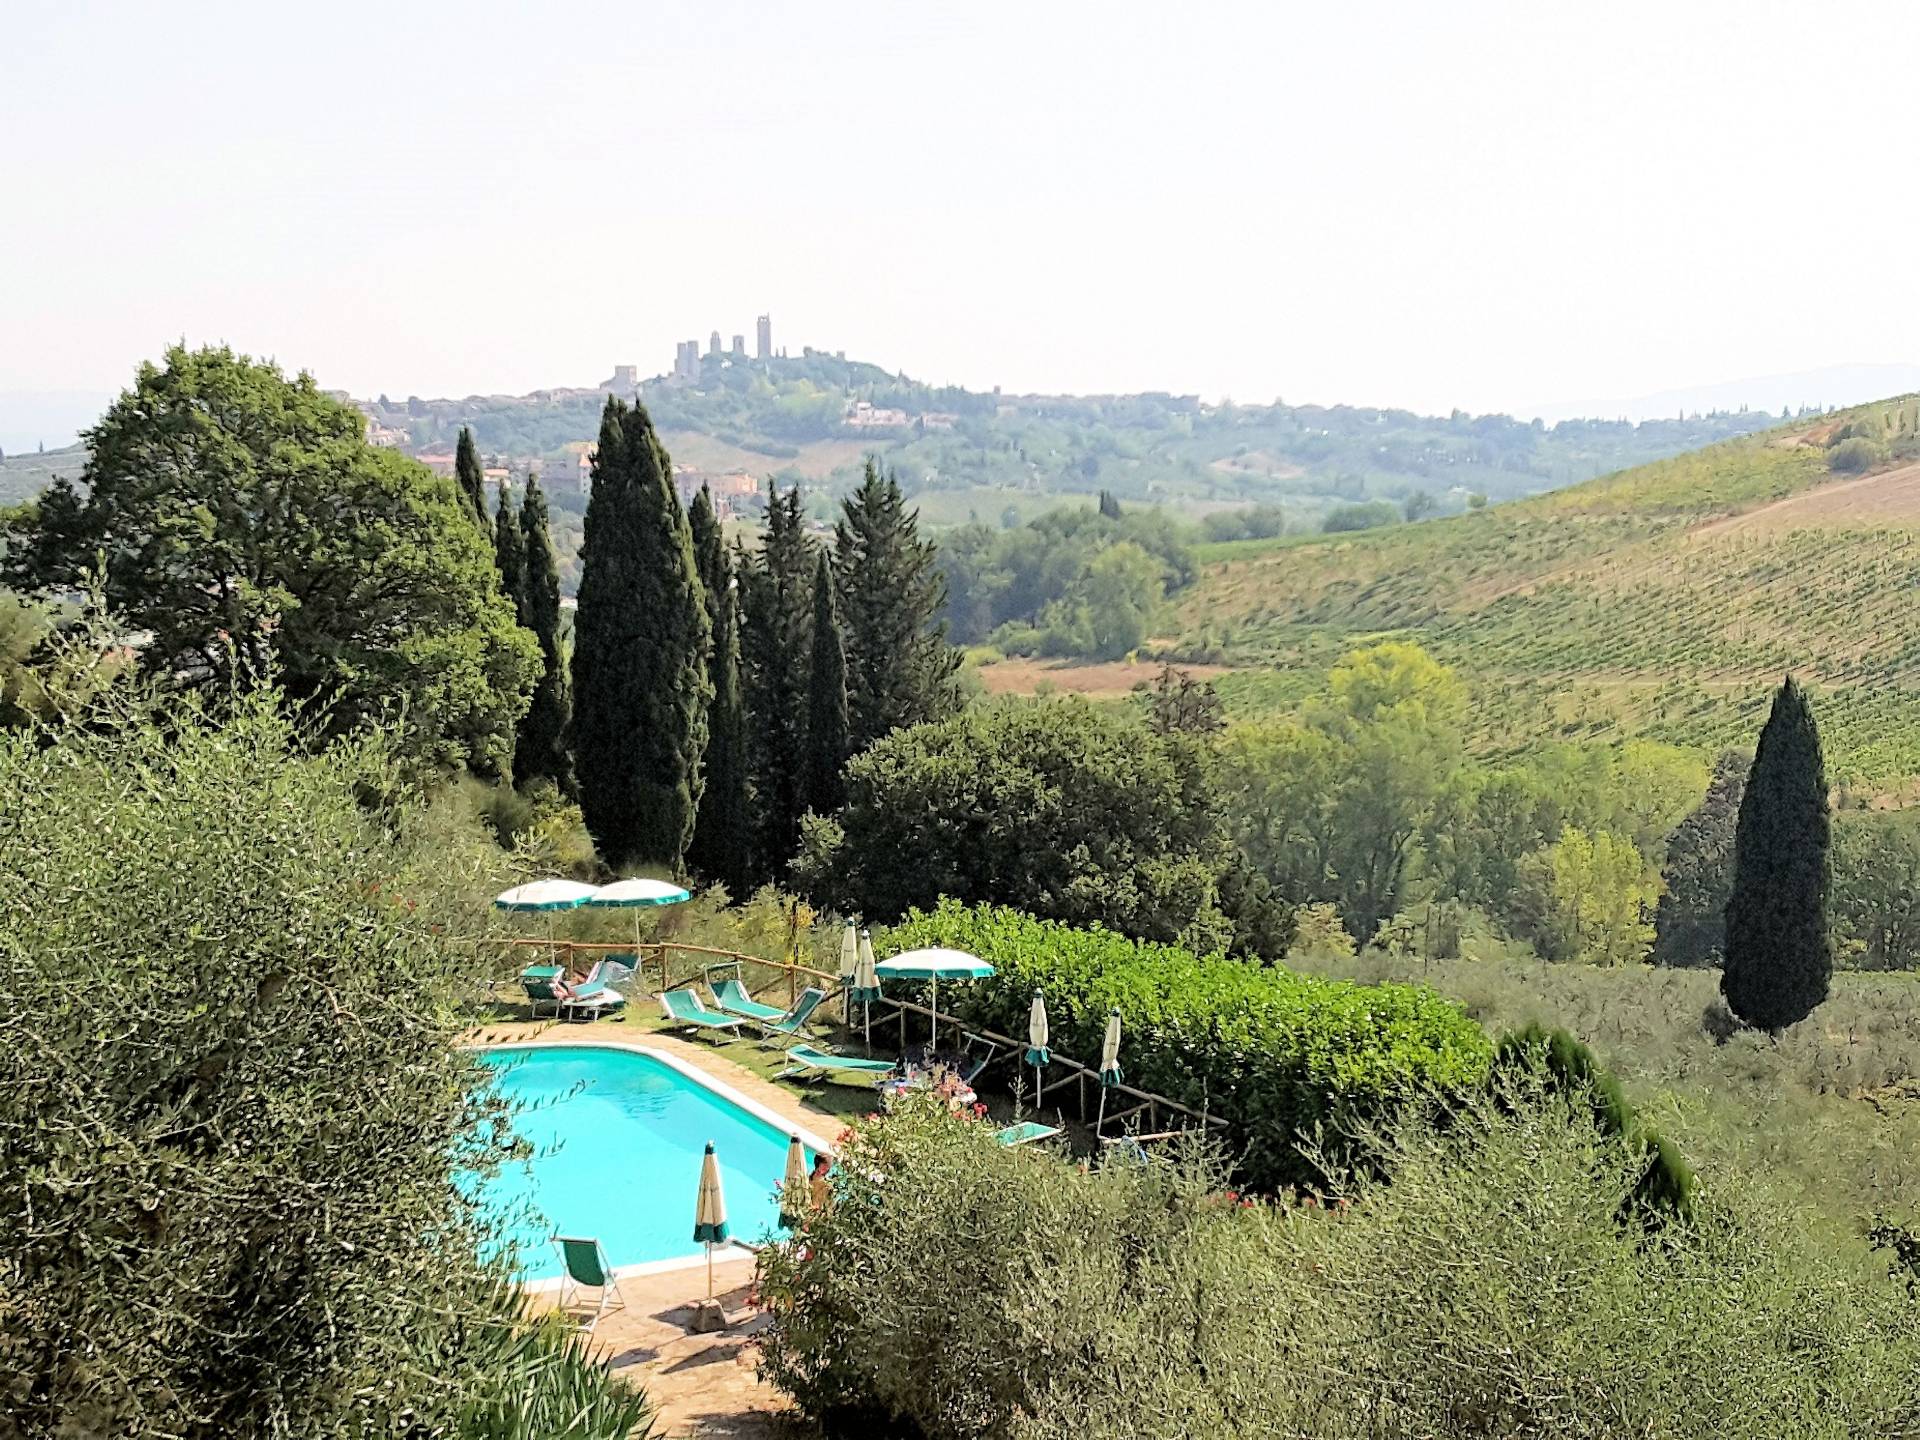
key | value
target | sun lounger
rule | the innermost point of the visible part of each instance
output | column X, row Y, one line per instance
column 591, row 1000
column 685, row 1008
column 807, row 1063
column 794, row 1021
column 731, row 996
column 1027, row 1132
column 540, row 982
column 587, row 1269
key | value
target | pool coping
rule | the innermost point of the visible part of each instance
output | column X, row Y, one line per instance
column 721, row 1254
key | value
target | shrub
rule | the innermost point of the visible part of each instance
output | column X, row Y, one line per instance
column 1855, row 456
column 1279, row 1056
column 1472, row 1280
column 1368, row 516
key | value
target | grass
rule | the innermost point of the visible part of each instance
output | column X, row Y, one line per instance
column 1612, row 609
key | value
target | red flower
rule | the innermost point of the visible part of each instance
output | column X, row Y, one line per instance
column 979, row 1108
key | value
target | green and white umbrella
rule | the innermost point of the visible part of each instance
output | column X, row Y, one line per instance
column 865, row 988
column 936, row 964
column 544, row 897
column 793, row 1188
column 636, row 895
column 1109, row 1064
column 849, row 954
column 710, row 1212
column 1038, row 1055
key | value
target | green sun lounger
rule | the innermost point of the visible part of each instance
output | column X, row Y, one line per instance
column 538, row 982
column 1026, row 1133
column 685, row 1007
column 593, row 998
column 807, row 1063
column 587, row 1269
column 732, row 997
column 793, row 1021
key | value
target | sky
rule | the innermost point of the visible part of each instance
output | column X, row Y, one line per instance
column 1493, row 206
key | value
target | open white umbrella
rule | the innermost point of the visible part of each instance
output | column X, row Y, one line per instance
column 544, row 897
column 710, row 1212
column 636, row 895
column 1109, row 1065
column 936, row 964
column 865, row 988
column 793, row 1187
column 1038, row 1055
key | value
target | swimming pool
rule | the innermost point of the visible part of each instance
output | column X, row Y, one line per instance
column 617, row 1138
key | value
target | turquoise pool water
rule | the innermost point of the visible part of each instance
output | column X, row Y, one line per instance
column 617, row 1140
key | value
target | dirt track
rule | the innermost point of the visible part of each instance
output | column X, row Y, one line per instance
column 1021, row 676
column 1890, row 498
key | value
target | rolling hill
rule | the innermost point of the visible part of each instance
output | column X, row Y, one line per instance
column 1664, row 601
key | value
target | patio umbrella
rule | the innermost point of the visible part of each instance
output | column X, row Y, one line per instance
column 636, row 895
column 849, row 963
column 935, row 965
column 544, row 897
column 1109, row 1065
column 710, row 1212
column 1038, row 1055
column 794, row 1186
column 865, row 988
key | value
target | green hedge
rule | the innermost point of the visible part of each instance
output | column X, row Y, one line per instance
column 1276, row 1054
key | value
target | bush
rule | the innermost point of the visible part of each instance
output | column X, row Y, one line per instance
column 231, row 1109
column 1855, row 456
column 1277, row 1055
column 1472, row 1280
column 1369, row 516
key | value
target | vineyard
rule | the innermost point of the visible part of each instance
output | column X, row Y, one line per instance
column 1663, row 601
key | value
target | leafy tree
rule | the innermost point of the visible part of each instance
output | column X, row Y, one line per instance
column 827, row 731
column 1366, row 516
column 1689, row 925
column 468, row 475
column 1419, row 505
column 1779, row 959
column 722, row 845
column 1182, row 705
column 1053, row 807
column 231, row 1135
column 510, row 554
column 244, row 521
column 1599, row 893
column 775, row 646
column 900, row 668
column 1876, row 889
column 1109, row 505
column 540, row 753
column 1108, row 611
column 641, row 641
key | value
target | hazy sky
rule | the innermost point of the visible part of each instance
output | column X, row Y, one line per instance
column 1473, row 204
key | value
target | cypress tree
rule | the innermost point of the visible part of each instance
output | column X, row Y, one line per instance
column 472, row 480
column 823, row 785
column 1778, row 957
column 541, row 751
column 900, row 668
column 510, row 555
column 641, row 636
column 722, row 847
column 775, row 646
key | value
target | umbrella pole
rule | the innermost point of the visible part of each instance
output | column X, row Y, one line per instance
column 709, row 1270
column 933, row 1042
column 866, row 1007
column 1102, row 1120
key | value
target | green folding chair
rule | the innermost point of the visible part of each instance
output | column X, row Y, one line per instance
column 806, row 1063
column 731, row 996
column 1027, row 1132
column 793, row 1021
column 685, row 1008
column 587, row 1269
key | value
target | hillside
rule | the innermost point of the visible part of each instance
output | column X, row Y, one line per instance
column 1663, row 600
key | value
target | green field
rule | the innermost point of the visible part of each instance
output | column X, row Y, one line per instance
column 1662, row 601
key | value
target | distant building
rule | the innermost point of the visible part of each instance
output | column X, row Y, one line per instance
column 763, row 337
column 686, row 360
column 713, row 343
column 440, row 461
column 625, row 378
column 586, row 474
column 739, row 347
column 861, row 415
column 937, row 420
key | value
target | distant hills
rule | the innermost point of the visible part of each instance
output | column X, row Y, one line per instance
column 1826, row 388
column 1663, row 601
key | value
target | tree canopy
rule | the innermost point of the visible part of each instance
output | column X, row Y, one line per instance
column 240, row 520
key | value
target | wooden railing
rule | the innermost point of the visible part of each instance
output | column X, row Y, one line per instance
column 657, row 958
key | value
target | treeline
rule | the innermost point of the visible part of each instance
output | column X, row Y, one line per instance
column 1070, row 582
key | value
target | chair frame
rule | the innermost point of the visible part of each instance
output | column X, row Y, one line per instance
column 608, row 1286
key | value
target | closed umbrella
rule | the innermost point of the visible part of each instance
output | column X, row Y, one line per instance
column 866, row 984
column 1038, row 1055
column 1109, row 1065
column 793, row 1188
column 710, row 1212
column 936, row 964
column 636, row 895
column 544, row 897
column 849, row 963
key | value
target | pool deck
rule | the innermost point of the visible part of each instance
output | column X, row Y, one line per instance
column 702, row 1385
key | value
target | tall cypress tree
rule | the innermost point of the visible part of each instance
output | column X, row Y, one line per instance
column 472, row 479
column 722, row 847
column 823, row 786
column 510, row 554
column 900, row 668
column 775, row 646
column 1779, row 960
column 541, row 750
column 641, row 635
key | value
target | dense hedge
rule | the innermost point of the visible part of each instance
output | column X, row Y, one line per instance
column 1276, row 1054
